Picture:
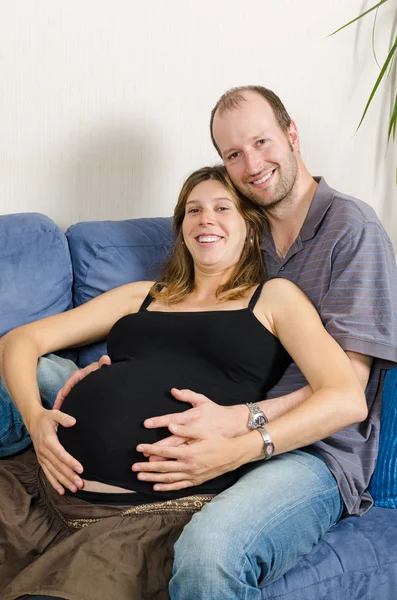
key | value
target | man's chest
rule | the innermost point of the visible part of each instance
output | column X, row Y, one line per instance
column 310, row 268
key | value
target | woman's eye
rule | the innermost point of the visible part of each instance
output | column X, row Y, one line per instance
column 262, row 141
column 222, row 208
column 193, row 210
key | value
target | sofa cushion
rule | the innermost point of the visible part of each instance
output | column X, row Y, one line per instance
column 35, row 270
column 356, row 559
column 106, row 254
column 383, row 486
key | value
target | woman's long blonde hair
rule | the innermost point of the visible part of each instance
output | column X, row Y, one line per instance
column 177, row 279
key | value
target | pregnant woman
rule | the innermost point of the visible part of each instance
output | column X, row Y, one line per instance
column 210, row 325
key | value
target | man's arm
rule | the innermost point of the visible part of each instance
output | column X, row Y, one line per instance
column 232, row 421
column 276, row 407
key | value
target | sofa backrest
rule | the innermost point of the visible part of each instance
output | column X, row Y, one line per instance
column 35, row 270
column 106, row 254
column 44, row 271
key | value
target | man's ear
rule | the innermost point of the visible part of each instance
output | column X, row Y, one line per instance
column 293, row 136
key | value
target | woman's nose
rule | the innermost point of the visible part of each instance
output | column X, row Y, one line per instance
column 207, row 217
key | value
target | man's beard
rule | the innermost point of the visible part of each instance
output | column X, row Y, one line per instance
column 282, row 192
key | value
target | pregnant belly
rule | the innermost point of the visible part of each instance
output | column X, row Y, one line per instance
column 110, row 406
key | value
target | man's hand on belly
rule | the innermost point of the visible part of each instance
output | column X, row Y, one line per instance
column 228, row 421
column 205, row 456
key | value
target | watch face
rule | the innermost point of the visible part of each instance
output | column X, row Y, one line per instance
column 269, row 450
column 259, row 421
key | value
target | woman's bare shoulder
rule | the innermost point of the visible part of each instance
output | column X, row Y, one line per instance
column 281, row 300
column 282, row 290
column 136, row 292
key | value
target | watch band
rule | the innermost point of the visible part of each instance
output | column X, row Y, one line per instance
column 268, row 446
column 257, row 417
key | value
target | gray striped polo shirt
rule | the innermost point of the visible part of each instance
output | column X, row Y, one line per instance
column 344, row 261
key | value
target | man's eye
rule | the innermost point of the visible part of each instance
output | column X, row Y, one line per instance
column 262, row 141
column 233, row 155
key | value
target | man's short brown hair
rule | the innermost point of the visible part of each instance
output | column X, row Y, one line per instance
column 235, row 96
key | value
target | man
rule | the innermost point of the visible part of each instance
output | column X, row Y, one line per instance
column 336, row 250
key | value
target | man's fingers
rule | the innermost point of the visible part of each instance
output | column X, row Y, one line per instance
column 188, row 396
column 162, row 451
column 154, row 458
column 180, row 418
column 169, row 487
column 163, row 466
column 172, row 477
column 165, row 420
column 172, row 440
column 189, row 432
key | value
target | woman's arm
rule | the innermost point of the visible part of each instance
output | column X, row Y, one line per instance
column 20, row 350
column 337, row 398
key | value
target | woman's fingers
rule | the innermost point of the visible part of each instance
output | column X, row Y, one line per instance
column 62, row 468
column 55, row 484
column 58, row 476
column 76, row 377
column 69, row 385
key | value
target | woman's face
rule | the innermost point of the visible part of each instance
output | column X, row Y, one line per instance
column 213, row 229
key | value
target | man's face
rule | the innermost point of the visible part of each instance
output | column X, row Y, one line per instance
column 258, row 155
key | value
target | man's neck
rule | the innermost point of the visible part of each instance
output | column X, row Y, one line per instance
column 286, row 219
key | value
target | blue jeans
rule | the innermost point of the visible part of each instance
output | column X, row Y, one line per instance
column 254, row 532
column 52, row 372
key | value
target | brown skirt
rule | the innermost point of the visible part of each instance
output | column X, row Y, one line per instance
column 63, row 546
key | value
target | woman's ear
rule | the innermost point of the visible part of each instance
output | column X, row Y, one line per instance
column 250, row 232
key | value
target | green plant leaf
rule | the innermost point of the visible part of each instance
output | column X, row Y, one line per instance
column 393, row 121
column 359, row 17
column 373, row 37
column 381, row 74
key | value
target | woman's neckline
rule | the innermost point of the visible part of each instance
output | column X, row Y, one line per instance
column 196, row 312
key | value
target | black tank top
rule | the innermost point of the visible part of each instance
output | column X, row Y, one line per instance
column 228, row 356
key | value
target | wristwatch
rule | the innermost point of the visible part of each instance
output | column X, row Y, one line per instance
column 268, row 446
column 257, row 417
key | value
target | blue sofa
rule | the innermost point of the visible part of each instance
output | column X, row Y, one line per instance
column 45, row 271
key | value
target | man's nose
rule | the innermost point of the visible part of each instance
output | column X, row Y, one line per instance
column 253, row 163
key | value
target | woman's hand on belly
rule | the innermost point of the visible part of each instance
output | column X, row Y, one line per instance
column 58, row 465
column 204, row 457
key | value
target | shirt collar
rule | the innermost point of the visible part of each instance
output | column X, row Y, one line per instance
column 322, row 200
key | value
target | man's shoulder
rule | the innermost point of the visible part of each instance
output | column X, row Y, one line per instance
column 353, row 208
column 348, row 214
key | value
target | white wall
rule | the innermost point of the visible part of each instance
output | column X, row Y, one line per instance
column 104, row 105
